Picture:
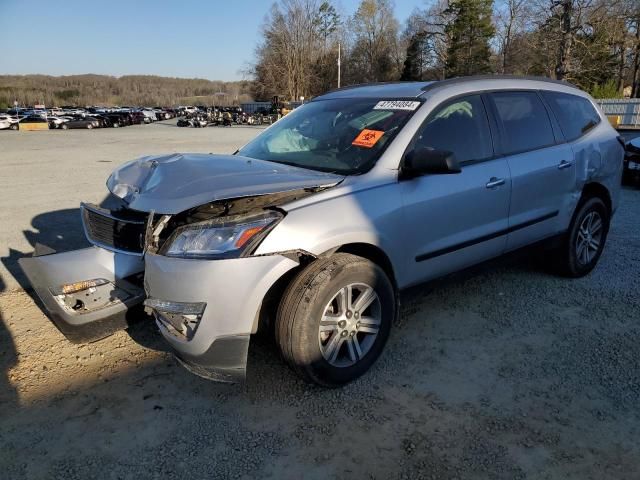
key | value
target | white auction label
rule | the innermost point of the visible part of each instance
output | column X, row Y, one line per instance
column 396, row 105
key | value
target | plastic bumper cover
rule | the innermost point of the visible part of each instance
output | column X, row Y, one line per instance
column 233, row 291
column 100, row 311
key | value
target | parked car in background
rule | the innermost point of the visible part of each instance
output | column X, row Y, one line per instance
column 10, row 120
column 55, row 121
column 118, row 119
column 5, row 124
column 80, row 122
column 632, row 161
column 169, row 113
column 188, row 109
column 149, row 116
column 105, row 121
column 137, row 117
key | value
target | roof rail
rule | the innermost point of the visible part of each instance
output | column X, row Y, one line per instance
column 456, row 80
column 367, row 84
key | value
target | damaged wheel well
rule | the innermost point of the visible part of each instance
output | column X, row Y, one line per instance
column 269, row 307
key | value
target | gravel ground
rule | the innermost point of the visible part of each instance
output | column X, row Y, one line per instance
column 501, row 371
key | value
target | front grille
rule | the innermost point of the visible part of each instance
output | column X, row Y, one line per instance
column 114, row 230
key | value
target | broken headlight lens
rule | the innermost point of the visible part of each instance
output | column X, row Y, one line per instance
column 225, row 237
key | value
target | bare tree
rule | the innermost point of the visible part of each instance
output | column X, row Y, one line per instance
column 375, row 52
column 511, row 19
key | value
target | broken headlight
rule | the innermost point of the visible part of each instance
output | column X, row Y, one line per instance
column 225, row 237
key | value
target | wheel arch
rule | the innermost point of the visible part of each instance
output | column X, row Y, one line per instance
column 598, row 190
column 372, row 253
column 266, row 313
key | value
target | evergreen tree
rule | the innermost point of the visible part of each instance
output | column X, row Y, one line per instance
column 469, row 34
column 414, row 61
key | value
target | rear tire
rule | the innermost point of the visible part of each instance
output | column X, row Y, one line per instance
column 64, row 126
column 334, row 319
column 584, row 242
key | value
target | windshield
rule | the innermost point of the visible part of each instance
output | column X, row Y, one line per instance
column 345, row 136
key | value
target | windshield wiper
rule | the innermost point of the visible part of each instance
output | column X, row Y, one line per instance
column 315, row 169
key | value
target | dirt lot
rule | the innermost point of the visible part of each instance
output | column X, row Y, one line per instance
column 502, row 371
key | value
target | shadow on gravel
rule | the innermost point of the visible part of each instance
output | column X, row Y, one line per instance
column 60, row 230
column 8, row 359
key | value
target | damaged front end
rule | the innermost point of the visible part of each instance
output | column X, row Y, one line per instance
column 194, row 271
column 178, row 233
column 203, row 284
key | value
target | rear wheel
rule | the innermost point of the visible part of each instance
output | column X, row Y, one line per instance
column 334, row 319
column 584, row 242
column 64, row 126
column 89, row 127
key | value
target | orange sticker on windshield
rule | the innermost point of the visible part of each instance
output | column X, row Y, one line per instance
column 368, row 138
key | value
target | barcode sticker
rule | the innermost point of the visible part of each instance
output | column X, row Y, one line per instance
column 396, row 105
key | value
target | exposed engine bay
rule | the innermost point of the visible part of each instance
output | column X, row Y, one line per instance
column 114, row 225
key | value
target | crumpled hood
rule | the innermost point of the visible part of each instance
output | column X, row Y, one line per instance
column 174, row 183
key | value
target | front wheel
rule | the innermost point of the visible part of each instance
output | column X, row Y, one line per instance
column 334, row 319
column 585, row 239
column 65, row 126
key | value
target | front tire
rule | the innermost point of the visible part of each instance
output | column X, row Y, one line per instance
column 334, row 319
column 584, row 242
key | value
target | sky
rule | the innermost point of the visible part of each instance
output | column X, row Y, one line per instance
column 212, row 39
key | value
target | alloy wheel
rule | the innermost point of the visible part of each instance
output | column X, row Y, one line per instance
column 589, row 238
column 349, row 325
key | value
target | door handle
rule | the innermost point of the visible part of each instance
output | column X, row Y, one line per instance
column 495, row 182
column 564, row 164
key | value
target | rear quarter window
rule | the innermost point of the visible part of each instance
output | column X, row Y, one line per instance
column 576, row 115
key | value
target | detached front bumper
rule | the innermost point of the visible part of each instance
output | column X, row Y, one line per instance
column 215, row 344
column 89, row 293
column 205, row 309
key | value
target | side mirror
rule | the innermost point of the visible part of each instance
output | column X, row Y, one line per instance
column 422, row 161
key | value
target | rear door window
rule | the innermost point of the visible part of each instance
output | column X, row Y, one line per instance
column 576, row 115
column 459, row 126
column 525, row 119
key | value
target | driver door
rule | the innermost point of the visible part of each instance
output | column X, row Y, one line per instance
column 456, row 220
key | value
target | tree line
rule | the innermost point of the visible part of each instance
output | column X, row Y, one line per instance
column 138, row 90
column 592, row 43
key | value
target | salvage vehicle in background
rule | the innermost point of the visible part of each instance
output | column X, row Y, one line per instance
column 314, row 227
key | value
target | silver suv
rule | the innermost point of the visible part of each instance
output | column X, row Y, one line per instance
column 314, row 227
